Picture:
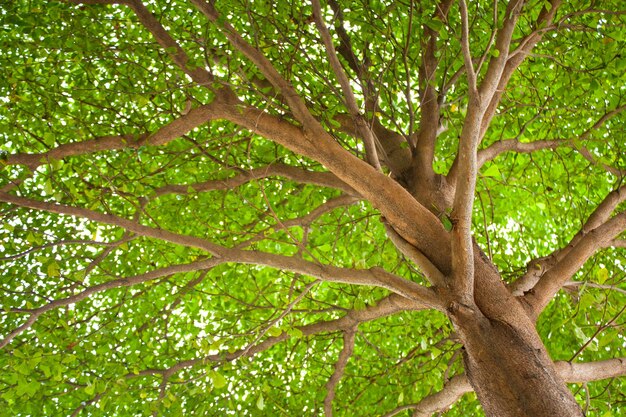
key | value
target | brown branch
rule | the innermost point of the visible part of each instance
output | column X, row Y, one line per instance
column 461, row 216
column 117, row 283
column 198, row 74
column 434, row 275
column 515, row 59
column 366, row 133
column 295, row 102
column 303, row 221
column 429, row 105
column 375, row 276
column 340, row 366
column 385, row 307
column 165, row 134
column 497, row 65
column 536, row 268
column 465, row 48
column 514, row 145
column 420, row 297
column 322, row 179
column 583, row 247
column 110, row 219
column 409, row 218
column 459, row 385
column 617, row 243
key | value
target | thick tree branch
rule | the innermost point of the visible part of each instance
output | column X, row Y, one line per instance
column 459, row 385
column 462, row 208
column 429, row 105
column 409, row 218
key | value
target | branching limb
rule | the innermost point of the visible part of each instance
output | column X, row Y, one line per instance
column 514, row 145
column 323, row 179
column 295, row 102
column 304, row 221
column 539, row 267
column 198, row 74
column 461, row 216
column 514, row 60
column 385, row 307
column 591, row 371
column 367, row 134
column 497, row 65
column 429, row 104
column 465, row 48
column 340, row 366
column 434, row 275
column 165, row 134
column 410, row 219
column 584, row 247
column 110, row 219
column 459, row 385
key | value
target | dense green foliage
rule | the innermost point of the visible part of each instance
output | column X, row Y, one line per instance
column 72, row 73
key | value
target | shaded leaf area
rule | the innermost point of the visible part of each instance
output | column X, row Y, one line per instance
column 136, row 323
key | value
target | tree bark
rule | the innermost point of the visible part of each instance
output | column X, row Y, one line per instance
column 505, row 360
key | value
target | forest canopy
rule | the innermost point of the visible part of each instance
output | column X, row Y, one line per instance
column 277, row 208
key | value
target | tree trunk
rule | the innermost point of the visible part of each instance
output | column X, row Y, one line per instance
column 505, row 360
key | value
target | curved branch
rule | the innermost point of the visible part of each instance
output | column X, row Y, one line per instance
column 432, row 273
column 459, row 385
column 290, row 94
column 165, row 134
column 323, row 179
column 429, row 105
column 131, row 226
column 198, row 74
column 585, row 246
column 366, row 133
column 385, row 307
column 538, row 267
column 514, row 145
column 340, row 366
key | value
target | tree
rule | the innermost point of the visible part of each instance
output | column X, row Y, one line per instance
column 305, row 208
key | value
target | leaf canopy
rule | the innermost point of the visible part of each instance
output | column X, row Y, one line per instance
column 136, row 323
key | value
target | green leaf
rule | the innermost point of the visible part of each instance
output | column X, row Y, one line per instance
column 260, row 402
column 492, row 171
column 217, row 379
column 53, row 269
